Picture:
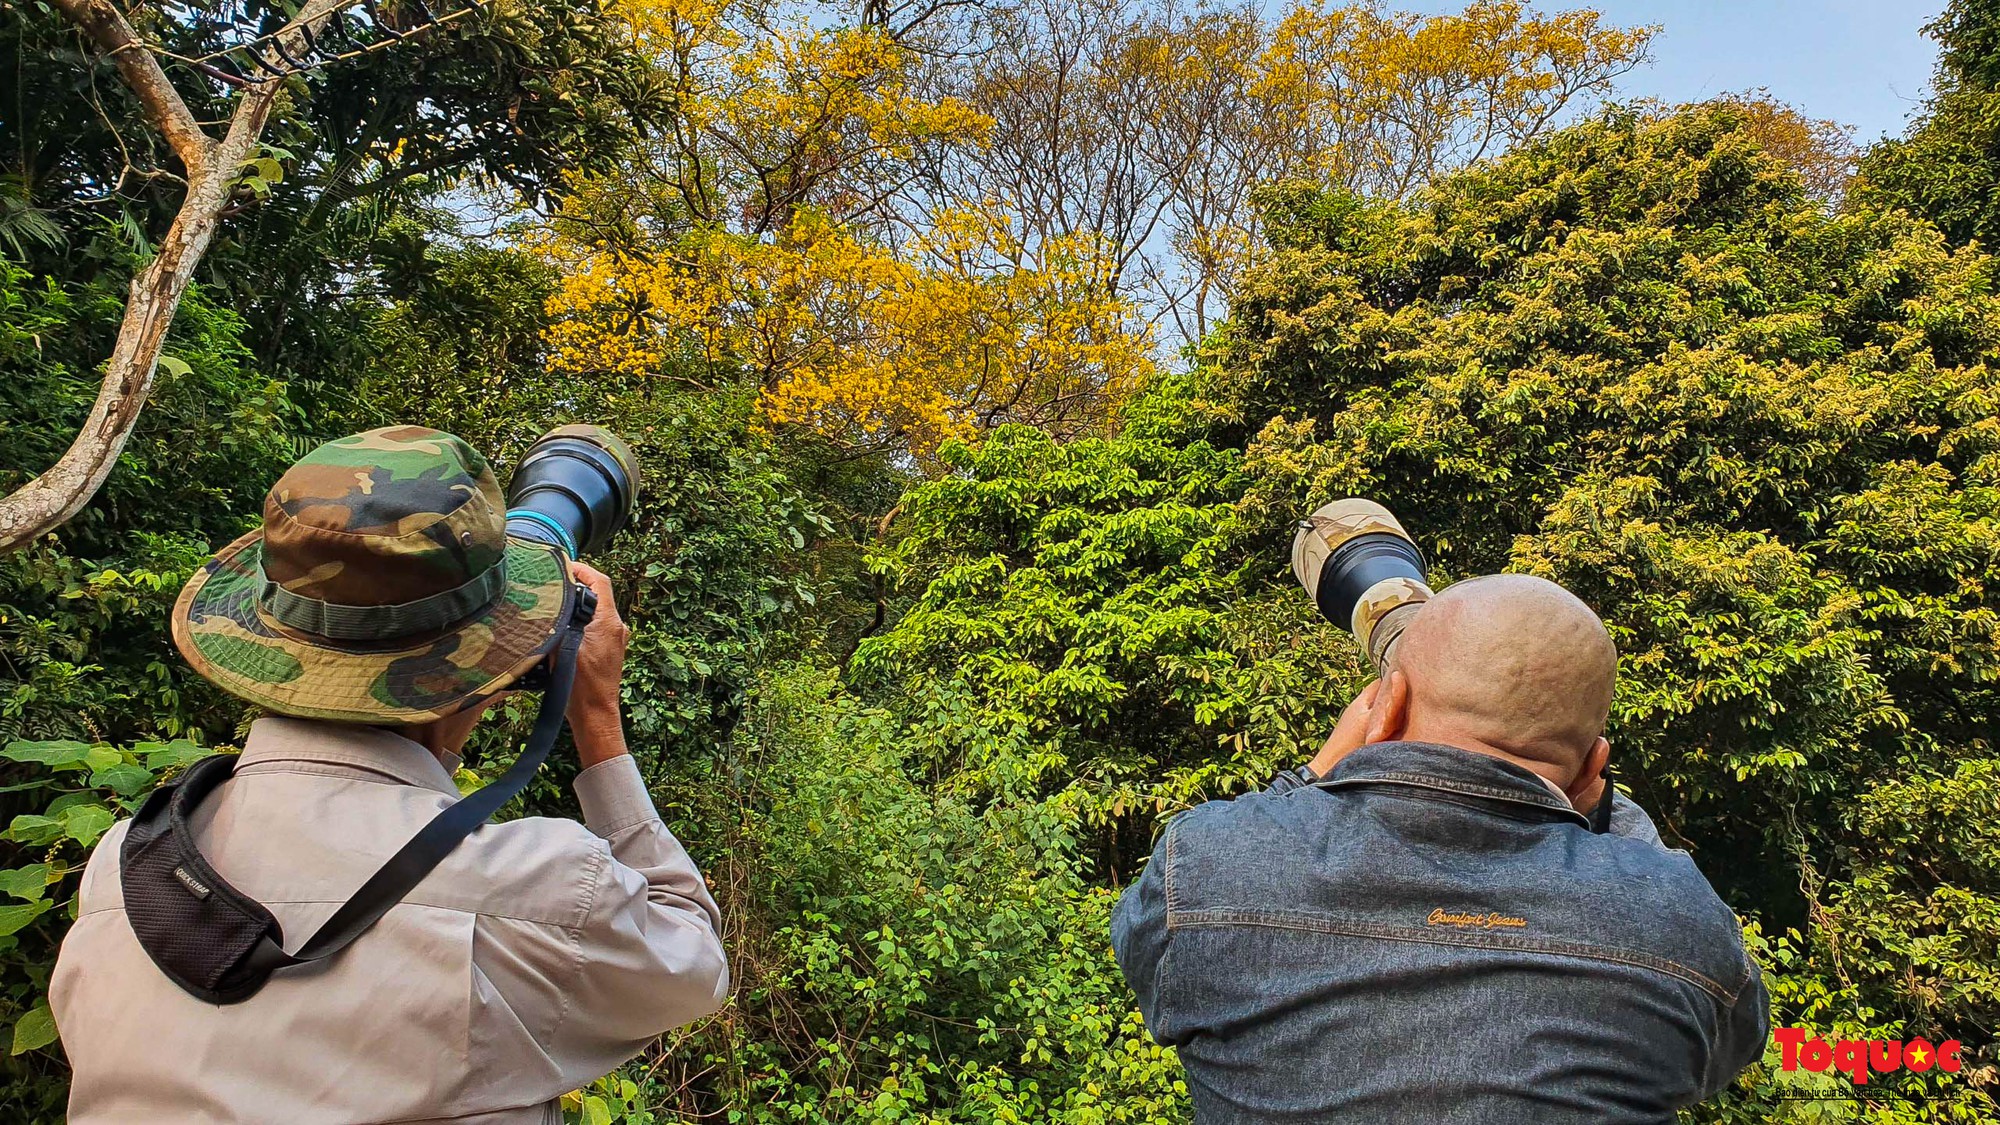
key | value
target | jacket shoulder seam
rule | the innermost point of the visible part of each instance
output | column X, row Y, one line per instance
column 338, row 771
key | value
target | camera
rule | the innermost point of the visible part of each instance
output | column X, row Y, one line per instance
column 1363, row 571
column 573, row 490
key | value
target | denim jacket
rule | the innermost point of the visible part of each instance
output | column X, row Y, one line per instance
column 1431, row 935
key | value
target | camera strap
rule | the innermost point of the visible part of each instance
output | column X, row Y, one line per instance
column 220, row 945
column 1600, row 817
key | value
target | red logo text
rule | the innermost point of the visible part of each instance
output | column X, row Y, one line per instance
column 1857, row 1057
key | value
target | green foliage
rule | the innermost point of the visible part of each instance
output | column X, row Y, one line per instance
column 1919, row 910
column 711, row 565
column 1947, row 167
column 461, row 342
column 904, row 954
column 501, row 106
column 1093, row 593
column 83, row 611
column 77, row 789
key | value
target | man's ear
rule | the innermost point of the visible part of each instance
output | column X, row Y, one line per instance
column 1593, row 769
column 1389, row 712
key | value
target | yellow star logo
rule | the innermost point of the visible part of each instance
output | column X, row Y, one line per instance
column 1918, row 1055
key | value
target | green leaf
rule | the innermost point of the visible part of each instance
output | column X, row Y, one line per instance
column 102, row 758
column 15, row 915
column 58, row 753
column 34, row 830
column 596, row 1111
column 26, row 882
column 35, row 1030
column 175, row 368
column 166, row 755
column 268, row 168
column 124, row 779
column 85, row 823
column 70, row 801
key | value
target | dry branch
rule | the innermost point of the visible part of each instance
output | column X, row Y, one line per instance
column 163, row 106
column 214, row 168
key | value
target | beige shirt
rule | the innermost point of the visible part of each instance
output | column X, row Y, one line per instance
column 539, row 955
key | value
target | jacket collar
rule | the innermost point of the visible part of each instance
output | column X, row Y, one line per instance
column 365, row 749
column 1447, row 769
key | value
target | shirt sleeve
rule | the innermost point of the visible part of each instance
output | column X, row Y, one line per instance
column 1139, row 935
column 649, row 955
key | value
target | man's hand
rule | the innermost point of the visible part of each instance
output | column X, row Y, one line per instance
column 1349, row 734
column 600, row 665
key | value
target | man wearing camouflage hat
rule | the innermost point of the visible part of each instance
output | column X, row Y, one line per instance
column 377, row 614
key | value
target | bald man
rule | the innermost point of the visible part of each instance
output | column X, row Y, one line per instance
column 1420, row 927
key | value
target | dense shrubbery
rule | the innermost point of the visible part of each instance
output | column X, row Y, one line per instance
column 1947, row 169
column 904, row 950
column 83, row 612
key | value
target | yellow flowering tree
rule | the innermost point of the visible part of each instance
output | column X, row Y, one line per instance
column 774, row 233
column 1382, row 102
column 1146, row 123
column 913, row 223
column 871, row 344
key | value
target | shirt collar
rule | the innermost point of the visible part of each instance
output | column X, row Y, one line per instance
column 372, row 749
column 1429, row 765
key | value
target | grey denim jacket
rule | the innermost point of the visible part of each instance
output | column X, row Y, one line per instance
column 1431, row 935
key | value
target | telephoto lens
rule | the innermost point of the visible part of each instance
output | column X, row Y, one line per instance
column 1363, row 571
column 573, row 490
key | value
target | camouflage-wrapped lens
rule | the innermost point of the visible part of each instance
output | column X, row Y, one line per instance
column 1362, row 570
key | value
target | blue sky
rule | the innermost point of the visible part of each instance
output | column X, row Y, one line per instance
column 1863, row 63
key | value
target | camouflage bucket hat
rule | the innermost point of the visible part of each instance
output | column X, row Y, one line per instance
column 381, row 589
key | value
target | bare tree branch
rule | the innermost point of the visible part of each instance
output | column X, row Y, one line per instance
column 106, row 26
column 46, row 502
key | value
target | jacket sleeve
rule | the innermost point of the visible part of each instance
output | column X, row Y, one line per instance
column 1741, row 1033
column 1139, row 935
column 649, row 954
column 1630, row 821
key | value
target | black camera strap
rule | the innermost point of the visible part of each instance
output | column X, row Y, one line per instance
column 1600, row 816
column 220, row 945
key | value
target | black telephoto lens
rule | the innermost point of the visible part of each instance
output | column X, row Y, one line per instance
column 573, row 490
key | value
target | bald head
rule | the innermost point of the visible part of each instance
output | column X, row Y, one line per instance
column 1514, row 662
